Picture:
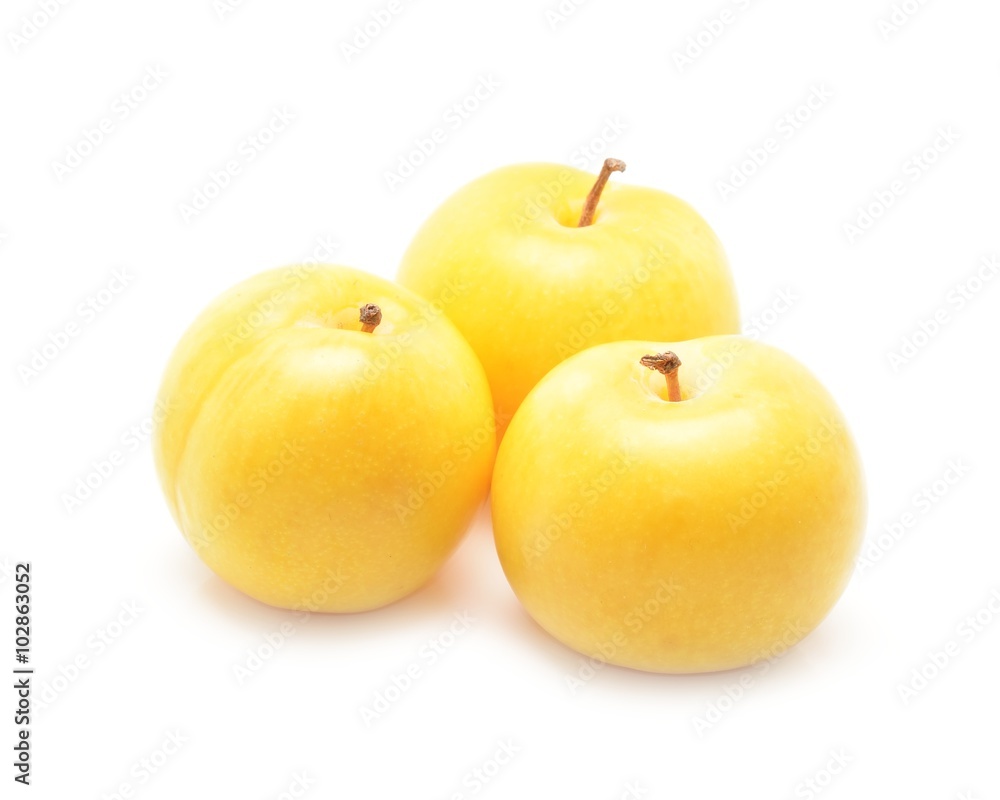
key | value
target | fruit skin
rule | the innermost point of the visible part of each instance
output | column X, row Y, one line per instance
column 694, row 536
column 528, row 289
column 318, row 467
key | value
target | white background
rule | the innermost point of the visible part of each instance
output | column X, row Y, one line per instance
column 680, row 127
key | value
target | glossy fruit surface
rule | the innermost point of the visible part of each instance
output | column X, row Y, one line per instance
column 528, row 288
column 687, row 536
column 313, row 464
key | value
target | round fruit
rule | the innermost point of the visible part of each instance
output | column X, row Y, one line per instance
column 327, row 437
column 695, row 534
column 507, row 260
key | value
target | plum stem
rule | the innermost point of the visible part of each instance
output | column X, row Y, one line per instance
column 590, row 206
column 371, row 316
column 666, row 363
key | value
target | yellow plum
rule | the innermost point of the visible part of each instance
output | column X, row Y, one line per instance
column 328, row 437
column 698, row 523
column 535, row 262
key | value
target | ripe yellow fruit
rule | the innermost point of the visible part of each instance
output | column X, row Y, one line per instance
column 317, row 460
column 692, row 535
column 528, row 288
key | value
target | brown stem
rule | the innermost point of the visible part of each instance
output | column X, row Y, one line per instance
column 371, row 316
column 590, row 207
column 668, row 364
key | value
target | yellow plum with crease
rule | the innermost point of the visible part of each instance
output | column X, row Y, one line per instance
column 328, row 436
column 703, row 522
